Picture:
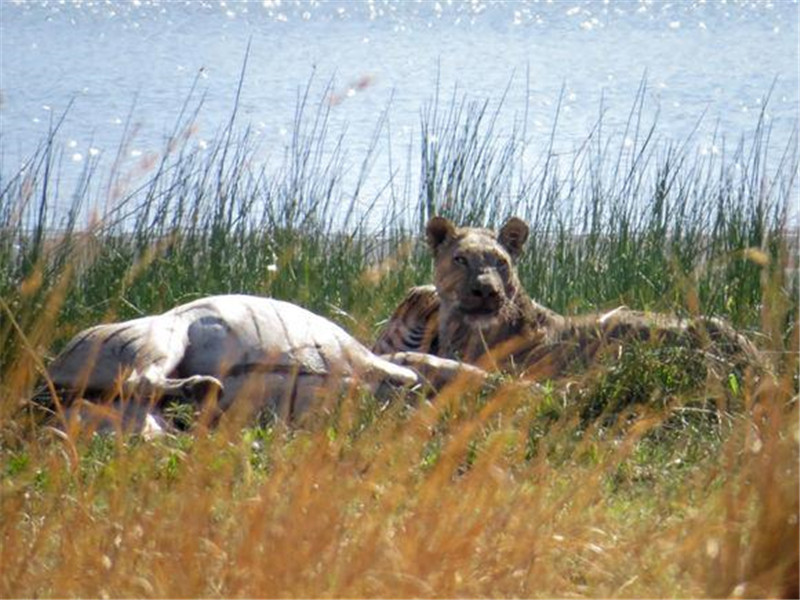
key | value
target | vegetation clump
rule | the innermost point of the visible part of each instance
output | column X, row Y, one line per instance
column 638, row 477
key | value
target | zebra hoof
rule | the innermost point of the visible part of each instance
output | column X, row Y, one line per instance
column 199, row 387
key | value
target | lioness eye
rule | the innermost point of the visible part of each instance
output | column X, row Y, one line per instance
column 460, row 260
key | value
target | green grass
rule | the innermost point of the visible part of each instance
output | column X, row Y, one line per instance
column 656, row 225
column 641, row 476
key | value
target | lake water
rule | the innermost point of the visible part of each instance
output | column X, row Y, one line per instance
column 114, row 58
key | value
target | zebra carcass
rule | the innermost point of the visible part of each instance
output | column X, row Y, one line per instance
column 273, row 354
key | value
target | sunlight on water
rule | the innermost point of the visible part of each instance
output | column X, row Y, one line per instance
column 131, row 65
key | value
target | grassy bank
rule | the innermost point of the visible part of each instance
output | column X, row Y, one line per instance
column 493, row 492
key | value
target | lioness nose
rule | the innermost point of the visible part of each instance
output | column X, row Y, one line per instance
column 484, row 290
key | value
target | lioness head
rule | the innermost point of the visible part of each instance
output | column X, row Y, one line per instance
column 474, row 267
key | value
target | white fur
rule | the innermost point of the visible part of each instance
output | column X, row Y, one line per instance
column 275, row 354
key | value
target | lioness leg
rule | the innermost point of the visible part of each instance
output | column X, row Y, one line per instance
column 436, row 371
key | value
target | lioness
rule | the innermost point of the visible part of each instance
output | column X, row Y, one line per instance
column 478, row 312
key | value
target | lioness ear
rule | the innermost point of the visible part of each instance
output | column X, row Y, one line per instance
column 513, row 236
column 438, row 230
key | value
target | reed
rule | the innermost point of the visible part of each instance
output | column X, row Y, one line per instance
column 491, row 492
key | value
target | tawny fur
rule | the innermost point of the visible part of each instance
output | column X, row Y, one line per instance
column 481, row 314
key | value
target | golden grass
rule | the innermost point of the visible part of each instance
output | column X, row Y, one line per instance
column 499, row 492
column 491, row 493
column 441, row 500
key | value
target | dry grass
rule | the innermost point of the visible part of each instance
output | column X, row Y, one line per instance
column 487, row 493
column 692, row 491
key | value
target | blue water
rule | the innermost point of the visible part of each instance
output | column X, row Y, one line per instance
column 718, row 59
